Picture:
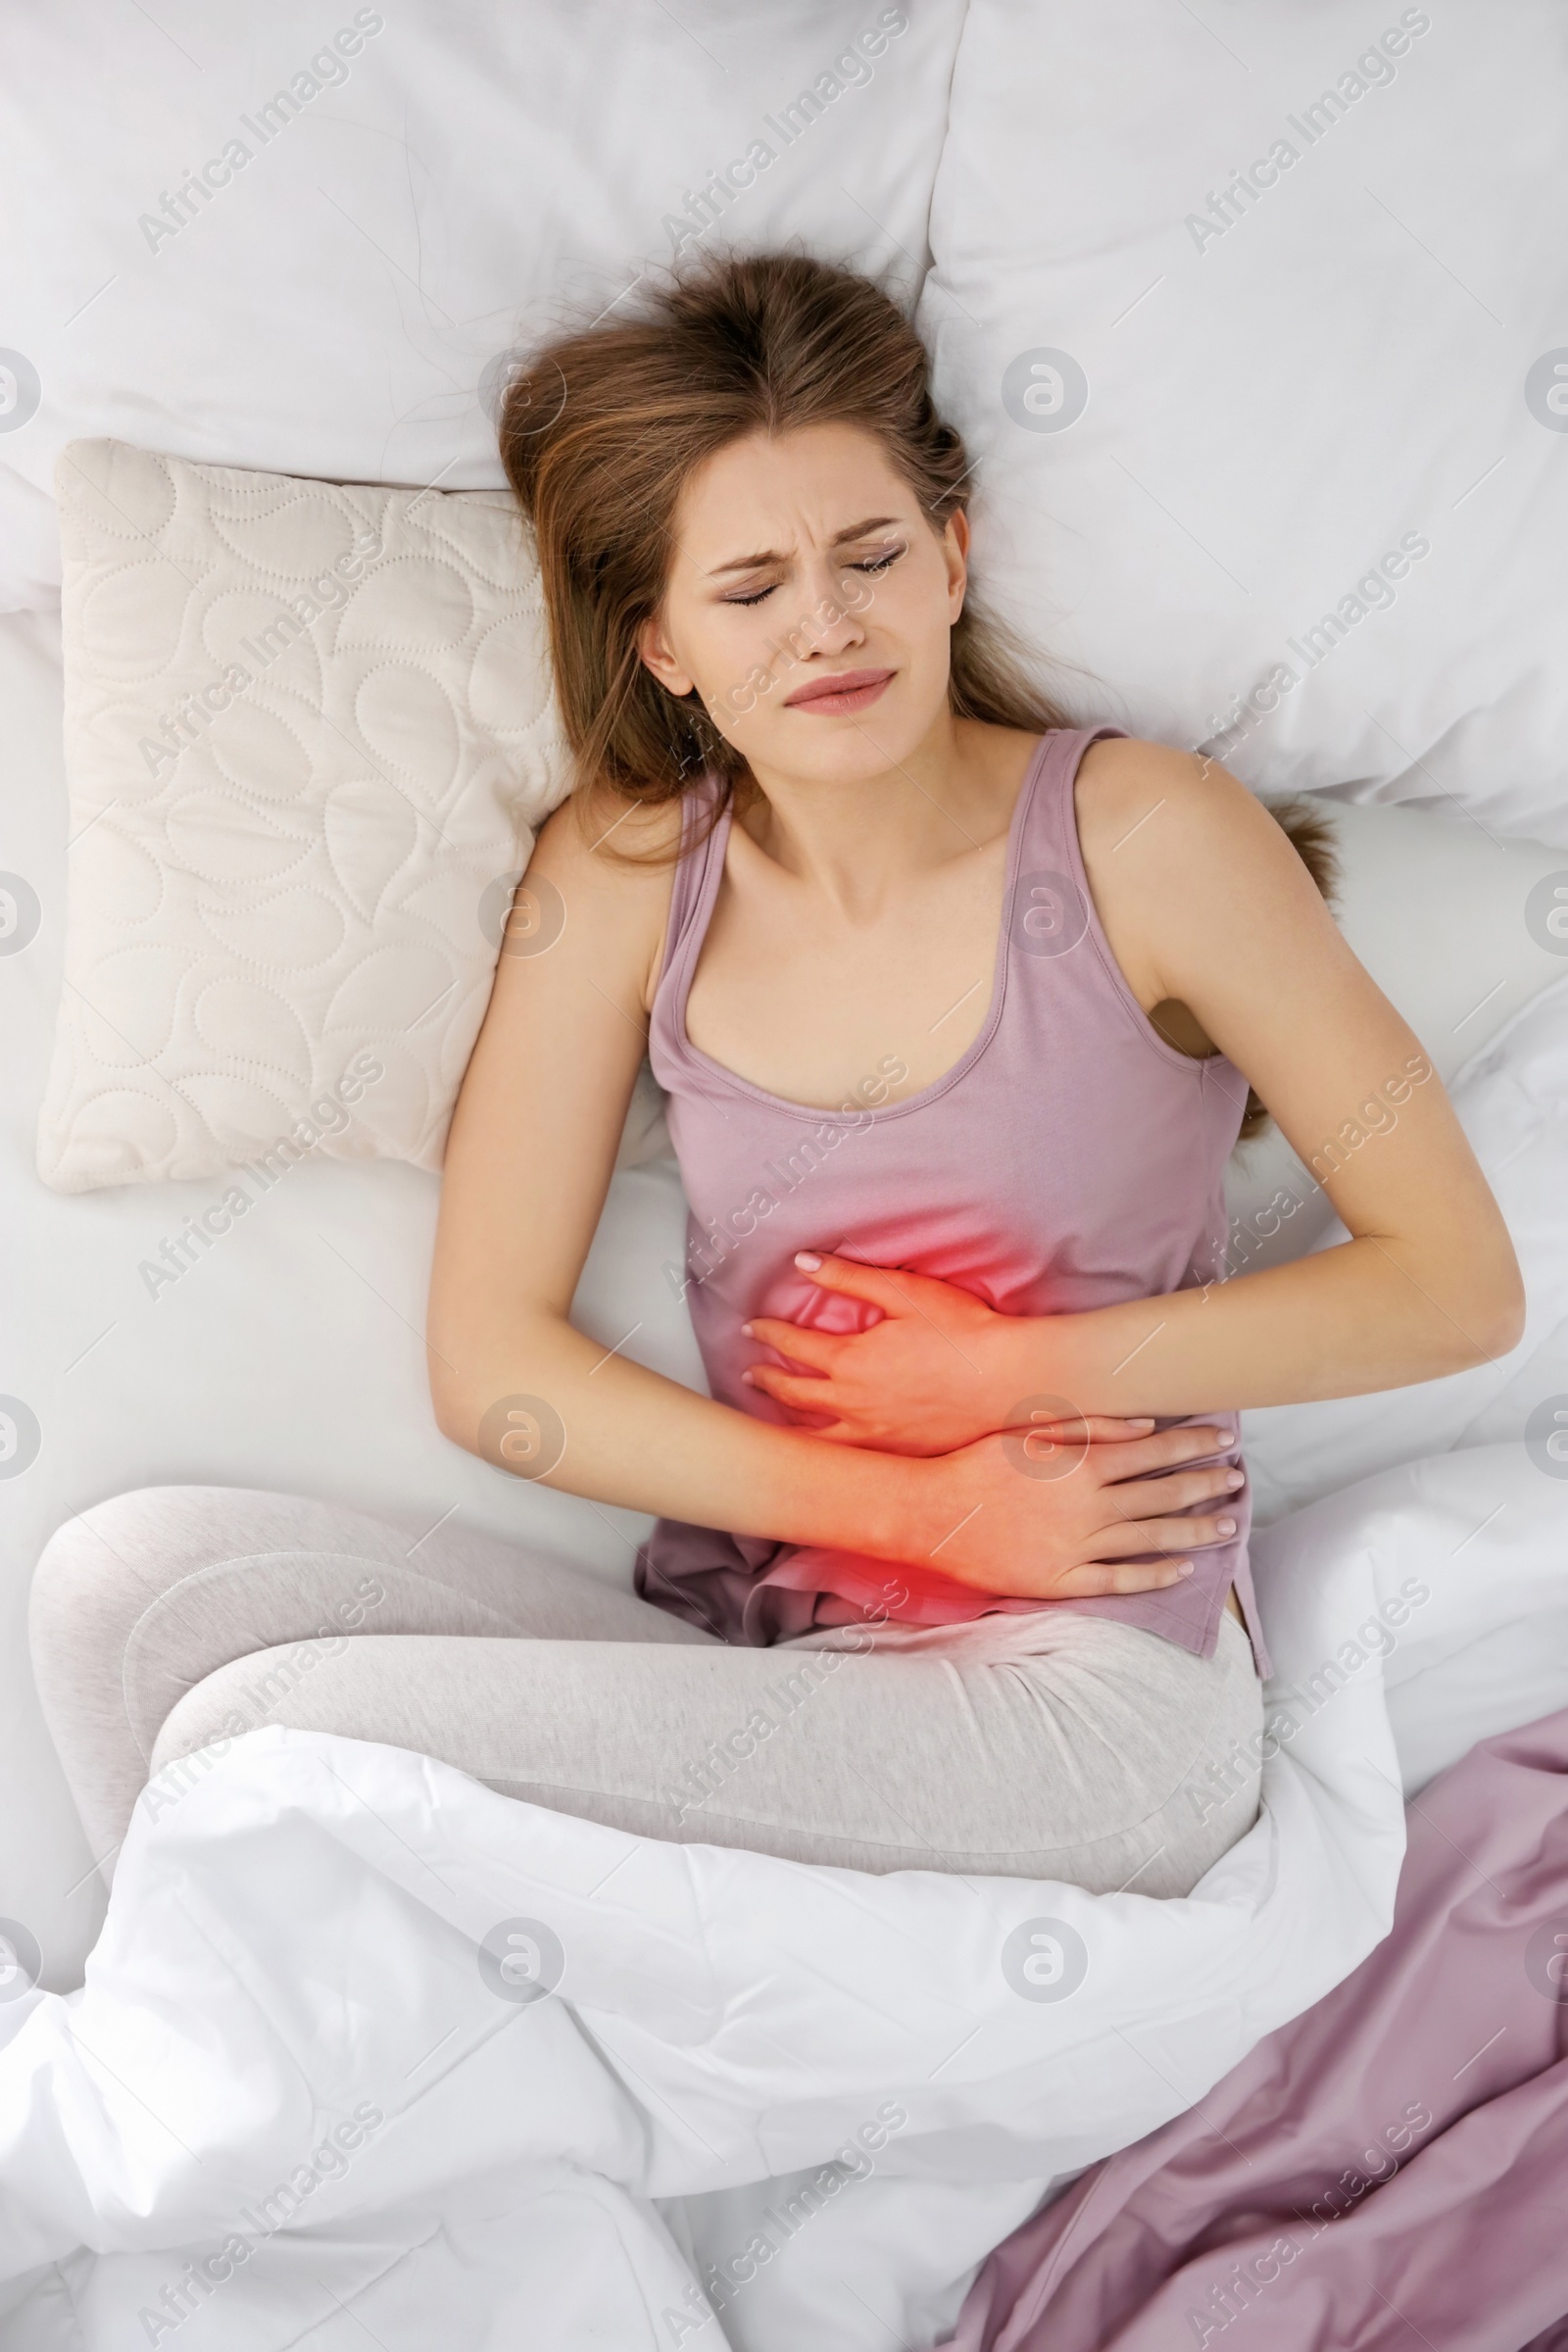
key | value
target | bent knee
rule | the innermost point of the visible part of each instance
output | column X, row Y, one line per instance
column 103, row 1563
column 242, row 1696
column 289, row 1684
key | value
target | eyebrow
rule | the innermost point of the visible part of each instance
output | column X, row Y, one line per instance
column 855, row 530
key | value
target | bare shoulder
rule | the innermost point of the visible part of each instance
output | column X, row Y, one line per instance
column 610, row 870
column 575, row 840
column 1158, row 813
column 1186, row 864
column 1123, row 781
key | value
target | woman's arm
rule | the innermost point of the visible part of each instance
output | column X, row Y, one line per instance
column 1204, row 902
column 527, row 1165
column 1207, row 903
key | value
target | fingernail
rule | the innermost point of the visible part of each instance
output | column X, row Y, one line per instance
column 747, row 1382
column 1227, row 1526
column 1233, row 1478
column 807, row 1260
column 747, row 1332
column 1183, row 1567
column 1142, row 1421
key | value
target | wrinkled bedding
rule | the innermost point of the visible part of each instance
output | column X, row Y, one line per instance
column 1408, row 2132
column 366, row 2046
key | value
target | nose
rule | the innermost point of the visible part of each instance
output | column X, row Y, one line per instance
column 833, row 618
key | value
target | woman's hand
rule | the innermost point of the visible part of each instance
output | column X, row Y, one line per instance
column 1022, row 1497
column 1055, row 1522
column 920, row 1380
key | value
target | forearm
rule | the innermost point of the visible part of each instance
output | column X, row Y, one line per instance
column 1345, row 1322
column 617, row 1433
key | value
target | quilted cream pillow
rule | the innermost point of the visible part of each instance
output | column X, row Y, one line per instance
column 309, row 736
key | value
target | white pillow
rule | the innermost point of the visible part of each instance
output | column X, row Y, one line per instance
column 1206, row 427
column 299, row 238
column 309, row 734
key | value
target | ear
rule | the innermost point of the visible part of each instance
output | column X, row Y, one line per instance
column 955, row 552
column 655, row 651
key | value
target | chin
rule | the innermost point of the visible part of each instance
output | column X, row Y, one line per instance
column 848, row 749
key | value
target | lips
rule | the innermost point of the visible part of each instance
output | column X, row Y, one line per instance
column 838, row 696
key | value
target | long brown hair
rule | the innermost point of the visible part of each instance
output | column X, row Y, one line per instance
column 600, row 432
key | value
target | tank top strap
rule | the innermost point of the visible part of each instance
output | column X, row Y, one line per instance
column 698, row 873
column 1051, row 908
column 1051, row 824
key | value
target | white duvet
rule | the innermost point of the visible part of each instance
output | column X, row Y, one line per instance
column 369, row 2055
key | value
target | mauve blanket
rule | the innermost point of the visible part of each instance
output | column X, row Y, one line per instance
column 1387, row 2171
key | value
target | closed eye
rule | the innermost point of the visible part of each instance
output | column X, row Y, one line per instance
column 874, row 568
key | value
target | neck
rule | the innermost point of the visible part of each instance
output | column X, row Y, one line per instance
column 859, row 840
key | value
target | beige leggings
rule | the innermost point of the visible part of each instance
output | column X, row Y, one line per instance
column 169, row 1619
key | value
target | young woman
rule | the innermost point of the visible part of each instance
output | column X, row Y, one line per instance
column 956, row 1007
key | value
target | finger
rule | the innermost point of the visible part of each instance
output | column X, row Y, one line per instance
column 1098, row 1428
column 889, row 1290
column 795, row 1339
column 816, row 1428
column 1177, row 1490
column 806, row 1396
column 808, row 1391
column 1175, row 1536
column 1167, row 1450
column 1097, row 1577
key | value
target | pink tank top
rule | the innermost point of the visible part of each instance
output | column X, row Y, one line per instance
column 1069, row 1160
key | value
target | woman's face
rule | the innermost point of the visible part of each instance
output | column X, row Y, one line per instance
column 800, row 561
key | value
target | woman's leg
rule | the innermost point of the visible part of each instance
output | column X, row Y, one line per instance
column 141, row 1599
column 1117, row 1761
column 168, row 1620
